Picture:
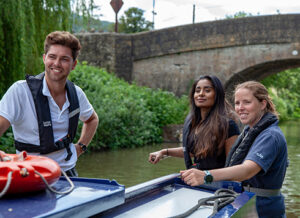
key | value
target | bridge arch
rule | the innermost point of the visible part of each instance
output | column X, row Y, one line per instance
column 259, row 72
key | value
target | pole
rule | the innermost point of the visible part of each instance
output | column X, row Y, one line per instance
column 116, row 24
column 153, row 13
column 193, row 13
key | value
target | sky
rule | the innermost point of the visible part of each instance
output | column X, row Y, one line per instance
column 171, row 13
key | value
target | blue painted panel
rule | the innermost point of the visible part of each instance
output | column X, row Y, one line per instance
column 90, row 196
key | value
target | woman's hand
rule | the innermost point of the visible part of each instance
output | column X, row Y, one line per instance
column 192, row 177
column 155, row 157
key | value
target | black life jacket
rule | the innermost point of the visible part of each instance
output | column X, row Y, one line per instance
column 241, row 147
column 47, row 144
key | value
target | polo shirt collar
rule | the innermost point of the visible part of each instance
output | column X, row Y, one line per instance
column 45, row 90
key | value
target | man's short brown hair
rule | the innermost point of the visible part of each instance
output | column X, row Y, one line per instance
column 63, row 38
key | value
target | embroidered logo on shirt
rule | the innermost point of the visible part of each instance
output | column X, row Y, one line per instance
column 260, row 155
column 47, row 123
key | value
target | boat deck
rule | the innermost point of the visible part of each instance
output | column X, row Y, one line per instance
column 171, row 201
column 169, row 196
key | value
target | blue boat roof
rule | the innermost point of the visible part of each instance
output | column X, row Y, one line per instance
column 90, row 196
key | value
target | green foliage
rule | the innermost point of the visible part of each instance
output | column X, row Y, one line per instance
column 284, row 89
column 7, row 142
column 23, row 27
column 134, row 22
column 129, row 115
column 84, row 18
column 12, row 50
column 239, row 15
column 94, row 25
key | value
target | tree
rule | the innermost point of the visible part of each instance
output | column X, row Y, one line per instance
column 284, row 88
column 239, row 15
column 84, row 17
column 134, row 22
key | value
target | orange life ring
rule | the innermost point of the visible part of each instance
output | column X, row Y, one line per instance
column 23, row 168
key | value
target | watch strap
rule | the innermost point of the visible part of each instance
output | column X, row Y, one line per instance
column 208, row 178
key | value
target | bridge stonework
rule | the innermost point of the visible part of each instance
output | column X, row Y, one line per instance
column 235, row 50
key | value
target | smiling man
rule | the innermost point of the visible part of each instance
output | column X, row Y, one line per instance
column 44, row 110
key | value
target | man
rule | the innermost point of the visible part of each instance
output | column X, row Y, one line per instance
column 44, row 110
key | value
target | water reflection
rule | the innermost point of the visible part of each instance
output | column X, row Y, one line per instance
column 130, row 166
column 291, row 185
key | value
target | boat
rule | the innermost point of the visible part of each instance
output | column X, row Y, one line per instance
column 166, row 196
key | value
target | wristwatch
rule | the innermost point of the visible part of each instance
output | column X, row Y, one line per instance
column 83, row 147
column 208, row 178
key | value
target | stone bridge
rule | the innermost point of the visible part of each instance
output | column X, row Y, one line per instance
column 235, row 50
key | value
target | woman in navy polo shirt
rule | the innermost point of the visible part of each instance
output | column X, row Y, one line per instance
column 259, row 156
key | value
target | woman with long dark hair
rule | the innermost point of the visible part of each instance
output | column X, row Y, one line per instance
column 209, row 130
column 259, row 156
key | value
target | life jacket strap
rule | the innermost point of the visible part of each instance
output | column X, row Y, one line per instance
column 60, row 144
column 65, row 143
column 261, row 192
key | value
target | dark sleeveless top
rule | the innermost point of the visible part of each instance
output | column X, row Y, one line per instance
column 210, row 161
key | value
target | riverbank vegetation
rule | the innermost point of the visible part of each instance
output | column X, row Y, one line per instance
column 284, row 89
column 129, row 115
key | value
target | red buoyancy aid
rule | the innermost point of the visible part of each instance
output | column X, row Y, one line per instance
column 24, row 172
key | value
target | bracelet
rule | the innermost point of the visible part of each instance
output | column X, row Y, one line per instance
column 167, row 152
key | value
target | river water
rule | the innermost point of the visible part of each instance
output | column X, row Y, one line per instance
column 130, row 166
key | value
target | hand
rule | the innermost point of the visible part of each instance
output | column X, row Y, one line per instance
column 192, row 177
column 155, row 156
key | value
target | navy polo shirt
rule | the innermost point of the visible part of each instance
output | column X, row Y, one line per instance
column 269, row 151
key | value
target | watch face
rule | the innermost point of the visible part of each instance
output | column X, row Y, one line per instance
column 83, row 148
column 208, row 179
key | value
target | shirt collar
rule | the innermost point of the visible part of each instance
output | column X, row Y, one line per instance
column 45, row 90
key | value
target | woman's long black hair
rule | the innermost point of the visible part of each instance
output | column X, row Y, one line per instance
column 210, row 133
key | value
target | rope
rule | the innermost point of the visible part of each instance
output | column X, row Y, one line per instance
column 3, row 192
column 221, row 198
column 55, row 191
